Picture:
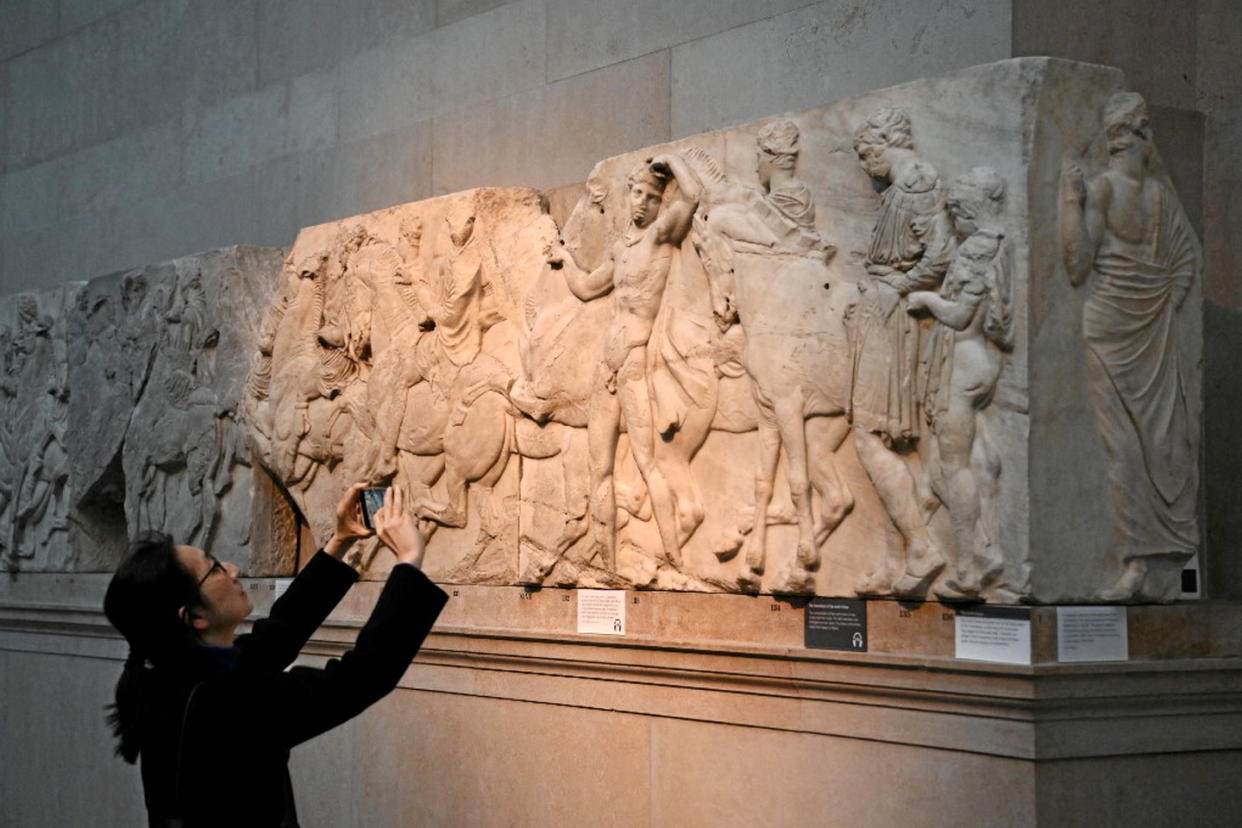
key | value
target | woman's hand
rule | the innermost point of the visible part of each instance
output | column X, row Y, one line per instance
column 349, row 525
column 397, row 529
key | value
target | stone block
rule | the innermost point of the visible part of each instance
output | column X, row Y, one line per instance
column 30, row 197
column 1072, row 471
column 187, row 220
column 59, row 95
column 715, row 774
column 27, row 24
column 381, row 171
column 1222, row 207
column 826, row 52
column 41, row 259
column 237, row 134
column 290, row 117
column 346, row 295
column 450, row 11
column 5, row 114
column 297, row 37
column 585, row 36
column 489, row 56
column 313, row 111
column 183, row 55
column 294, row 191
column 370, row 23
column 157, row 367
column 408, row 80
column 63, row 732
column 77, row 13
column 555, row 788
column 1219, row 41
column 1222, row 336
column 386, row 89
column 35, row 508
column 1164, row 789
column 1118, row 33
column 515, row 140
column 111, row 175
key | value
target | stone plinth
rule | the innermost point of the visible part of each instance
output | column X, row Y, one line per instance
column 709, row 708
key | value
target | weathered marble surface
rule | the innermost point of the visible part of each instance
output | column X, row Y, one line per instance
column 34, row 408
column 157, row 362
column 863, row 349
column 389, row 354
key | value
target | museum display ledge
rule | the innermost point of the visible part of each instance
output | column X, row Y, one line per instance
column 676, row 661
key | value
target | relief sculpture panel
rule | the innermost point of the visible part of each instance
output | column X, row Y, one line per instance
column 1127, row 242
column 834, row 352
column 158, row 360
column 390, row 353
column 34, row 410
column 786, row 357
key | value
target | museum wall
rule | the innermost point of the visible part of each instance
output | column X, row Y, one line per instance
column 135, row 132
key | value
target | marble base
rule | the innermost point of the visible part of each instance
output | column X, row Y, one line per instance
column 709, row 711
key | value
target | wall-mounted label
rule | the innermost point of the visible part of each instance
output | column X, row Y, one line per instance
column 601, row 611
column 1092, row 634
column 836, row 624
column 1000, row 634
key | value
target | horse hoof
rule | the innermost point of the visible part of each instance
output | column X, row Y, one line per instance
column 874, row 584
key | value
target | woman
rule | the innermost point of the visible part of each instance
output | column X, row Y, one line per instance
column 214, row 715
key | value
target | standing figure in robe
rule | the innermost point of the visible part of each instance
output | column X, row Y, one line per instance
column 911, row 247
column 1127, row 227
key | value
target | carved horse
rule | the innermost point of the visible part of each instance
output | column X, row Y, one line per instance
column 761, row 267
column 466, row 427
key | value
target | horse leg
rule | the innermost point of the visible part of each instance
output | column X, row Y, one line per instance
column 824, row 436
column 792, row 424
column 473, row 450
column 765, row 476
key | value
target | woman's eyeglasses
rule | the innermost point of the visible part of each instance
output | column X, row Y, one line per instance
column 215, row 566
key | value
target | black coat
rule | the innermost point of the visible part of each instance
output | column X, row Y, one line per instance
column 248, row 711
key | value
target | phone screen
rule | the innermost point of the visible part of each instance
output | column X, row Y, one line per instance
column 372, row 501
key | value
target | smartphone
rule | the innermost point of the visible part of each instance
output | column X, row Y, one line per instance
column 371, row 501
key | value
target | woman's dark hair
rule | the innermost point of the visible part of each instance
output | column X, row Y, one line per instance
column 144, row 601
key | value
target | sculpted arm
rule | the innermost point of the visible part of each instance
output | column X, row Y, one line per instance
column 936, row 233
column 585, row 285
column 675, row 223
column 955, row 313
column 1083, row 211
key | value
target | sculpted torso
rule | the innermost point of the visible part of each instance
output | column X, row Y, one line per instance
column 1128, row 204
column 640, row 272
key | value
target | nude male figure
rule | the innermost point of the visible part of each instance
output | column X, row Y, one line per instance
column 636, row 269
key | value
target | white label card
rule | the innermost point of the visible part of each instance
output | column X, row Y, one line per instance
column 1000, row 634
column 601, row 611
column 1092, row 634
column 281, row 586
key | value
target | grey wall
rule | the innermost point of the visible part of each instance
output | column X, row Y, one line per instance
column 131, row 132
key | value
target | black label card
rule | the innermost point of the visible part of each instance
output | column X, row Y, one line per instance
column 836, row 624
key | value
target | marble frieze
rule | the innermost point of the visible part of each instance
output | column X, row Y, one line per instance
column 938, row 341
